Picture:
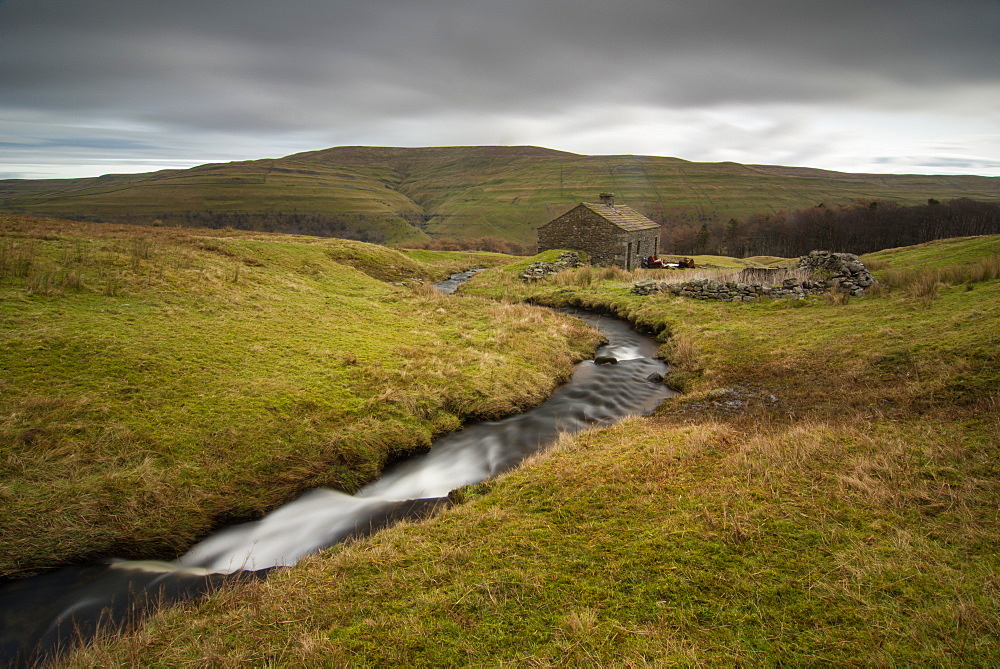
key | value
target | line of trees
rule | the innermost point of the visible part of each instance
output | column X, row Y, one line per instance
column 859, row 228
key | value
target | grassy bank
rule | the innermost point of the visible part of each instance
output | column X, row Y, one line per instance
column 826, row 493
column 156, row 382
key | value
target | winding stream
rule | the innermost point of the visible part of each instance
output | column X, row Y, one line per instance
column 43, row 614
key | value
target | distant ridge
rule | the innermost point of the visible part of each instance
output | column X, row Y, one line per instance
column 360, row 153
column 400, row 194
column 817, row 173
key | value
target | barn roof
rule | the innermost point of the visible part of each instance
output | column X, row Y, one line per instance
column 624, row 217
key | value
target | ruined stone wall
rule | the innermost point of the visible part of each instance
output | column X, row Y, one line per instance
column 844, row 269
column 606, row 244
column 841, row 272
column 733, row 291
column 539, row 270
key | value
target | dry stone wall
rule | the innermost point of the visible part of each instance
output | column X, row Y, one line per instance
column 732, row 291
column 540, row 270
column 842, row 272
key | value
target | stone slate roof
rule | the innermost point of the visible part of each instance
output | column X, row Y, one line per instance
column 624, row 217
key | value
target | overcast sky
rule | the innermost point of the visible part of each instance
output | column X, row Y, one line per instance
column 89, row 87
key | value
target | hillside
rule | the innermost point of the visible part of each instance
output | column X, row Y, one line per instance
column 825, row 493
column 394, row 195
column 158, row 381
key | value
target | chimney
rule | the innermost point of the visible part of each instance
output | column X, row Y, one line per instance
column 608, row 199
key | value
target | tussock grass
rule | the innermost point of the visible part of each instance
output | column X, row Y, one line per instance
column 613, row 274
column 922, row 271
column 579, row 276
column 426, row 291
column 682, row 353
column 826, row 494
column 926, row 281
column 17, row 257
column 159, row 381
column 699, row 544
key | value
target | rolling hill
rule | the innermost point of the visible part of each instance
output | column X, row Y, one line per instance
column 394, row 195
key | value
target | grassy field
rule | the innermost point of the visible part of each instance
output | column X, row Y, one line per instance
column 826, row 492
column 158, row 381
column 407, row 194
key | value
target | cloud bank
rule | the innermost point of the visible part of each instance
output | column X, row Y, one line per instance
column 117, row 85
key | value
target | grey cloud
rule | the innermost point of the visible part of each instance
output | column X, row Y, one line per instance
column 484, row 54
column 943, row 164
column 379, row 68
column 87, row 142
column 964, row 163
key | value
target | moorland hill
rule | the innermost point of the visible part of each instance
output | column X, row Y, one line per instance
column 396, row 195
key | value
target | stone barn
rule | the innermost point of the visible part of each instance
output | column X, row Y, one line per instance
column 611, row 234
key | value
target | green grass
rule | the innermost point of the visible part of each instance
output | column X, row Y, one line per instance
column 825, row 494
column 457, row 261
column 959, row 251
column 161, row 381
column 924, row 269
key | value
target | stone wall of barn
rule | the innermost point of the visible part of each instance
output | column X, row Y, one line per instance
column 580, row 229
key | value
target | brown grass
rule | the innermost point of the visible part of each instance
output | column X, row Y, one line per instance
column 925, row 282
column 827, row 495
column 580, row 276
column 681, row 351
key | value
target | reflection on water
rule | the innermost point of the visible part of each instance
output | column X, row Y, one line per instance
column 44, row 611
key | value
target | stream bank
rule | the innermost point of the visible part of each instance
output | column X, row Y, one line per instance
column 44, row 615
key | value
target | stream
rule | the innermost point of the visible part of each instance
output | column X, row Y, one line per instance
column 42, row 615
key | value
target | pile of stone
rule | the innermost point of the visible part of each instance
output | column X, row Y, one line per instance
column 843, row 272
column 540, row 270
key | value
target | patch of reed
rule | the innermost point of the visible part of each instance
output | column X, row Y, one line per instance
column 683, row 353
column 924, row 282
column 580, row 276
column 613, row 273
column 41, row 282
column 837, row 297
column 17, row 257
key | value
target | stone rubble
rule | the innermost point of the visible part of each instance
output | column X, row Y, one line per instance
column 540, row 270
column 844, row 269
